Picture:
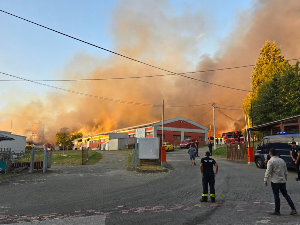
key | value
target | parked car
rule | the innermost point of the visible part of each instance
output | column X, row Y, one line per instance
column 187, row 143
column 169, row 147
column 282, row 144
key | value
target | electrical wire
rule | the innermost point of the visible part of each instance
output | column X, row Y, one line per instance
column 172, row 73
column 148, row 76
column 198, row 117
column 81, row 93
column 227, row 115
column 121, row 55
column 103, row 98
column 182, row 106
column 229, row 108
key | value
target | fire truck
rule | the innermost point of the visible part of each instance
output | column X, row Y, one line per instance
column 234, row 136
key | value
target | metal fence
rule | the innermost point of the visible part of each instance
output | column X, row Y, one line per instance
column 237, row 151
column 11, row 161
column 85, row 155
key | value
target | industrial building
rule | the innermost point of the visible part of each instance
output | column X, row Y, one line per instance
column 175, row 131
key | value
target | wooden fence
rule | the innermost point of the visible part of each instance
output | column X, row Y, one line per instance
column 237, row 151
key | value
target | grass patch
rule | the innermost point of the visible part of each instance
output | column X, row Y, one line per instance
column 66, row 157
column 141, row 167
column 220, row 152
column 96, row 157
column 151, row 167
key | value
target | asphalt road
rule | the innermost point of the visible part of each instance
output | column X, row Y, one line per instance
column 106, row 193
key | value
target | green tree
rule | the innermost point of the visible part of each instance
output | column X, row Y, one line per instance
column 65, row 137
column 290, row 88
column 75, row 135
column 269, row 63
column 266, row 105
column 62, row 138
column 278, row 98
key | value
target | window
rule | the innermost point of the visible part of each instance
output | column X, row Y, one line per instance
column 187, row 137
column 201, row 138
column 176, row 137
column 149, row 133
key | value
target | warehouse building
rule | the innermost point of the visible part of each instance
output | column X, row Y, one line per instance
column 175, row 131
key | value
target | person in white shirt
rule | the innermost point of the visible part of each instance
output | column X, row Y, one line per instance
column 276, row 169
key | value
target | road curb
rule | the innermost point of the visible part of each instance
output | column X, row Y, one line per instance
column 152, row 171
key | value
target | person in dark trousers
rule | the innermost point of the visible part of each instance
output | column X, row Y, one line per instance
column 192, row 152
column 295, row 154
column 210, row 148
column 276, row 169
column 196, row 146
column 208, row 177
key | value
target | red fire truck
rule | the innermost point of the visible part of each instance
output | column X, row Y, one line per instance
column 231, row 137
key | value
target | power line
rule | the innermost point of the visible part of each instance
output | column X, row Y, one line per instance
column 120, row 78
column 121, row 55
column 85, row 42
column 198, row 117
column 77, row 39
column 229, row 108
column 227, row 116
column 136, row 77
column 84, row 94
column 148, row 76
column 103, row 98
column 182, row 106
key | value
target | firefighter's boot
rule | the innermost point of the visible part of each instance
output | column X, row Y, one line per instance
column 212, row 197
column 204, row 198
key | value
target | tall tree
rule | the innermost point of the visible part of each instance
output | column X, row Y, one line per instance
column 269, row 63
column 278, row 98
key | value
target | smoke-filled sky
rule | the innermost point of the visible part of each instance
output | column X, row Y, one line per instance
column 177, row 36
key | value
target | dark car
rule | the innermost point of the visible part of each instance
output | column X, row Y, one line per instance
column 282, row 144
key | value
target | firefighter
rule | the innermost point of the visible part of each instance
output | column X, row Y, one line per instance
column 208, row 177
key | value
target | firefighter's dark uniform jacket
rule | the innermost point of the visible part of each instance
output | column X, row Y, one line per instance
column 209, row 177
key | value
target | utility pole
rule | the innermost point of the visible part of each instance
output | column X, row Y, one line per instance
column 214, row 125
column 252, row 126
column 162, row 124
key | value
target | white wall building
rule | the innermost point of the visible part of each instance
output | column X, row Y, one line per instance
column 17, row 145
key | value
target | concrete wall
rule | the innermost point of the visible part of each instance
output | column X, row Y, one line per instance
column 120, row 143
column 117, row 135
column 17, row 145
column 113, row 144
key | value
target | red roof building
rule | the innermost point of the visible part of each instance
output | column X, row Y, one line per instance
column 175, row 131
